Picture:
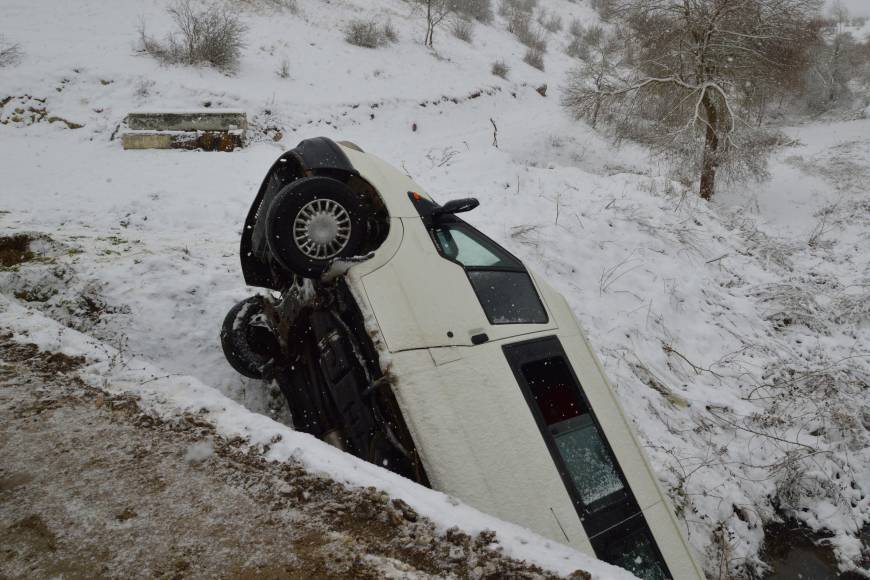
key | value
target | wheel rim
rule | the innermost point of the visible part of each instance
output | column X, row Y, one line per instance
column 321, row 229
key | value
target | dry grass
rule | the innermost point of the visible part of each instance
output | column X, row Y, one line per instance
column 500, row 69
column 369, row 34
column 10, row 53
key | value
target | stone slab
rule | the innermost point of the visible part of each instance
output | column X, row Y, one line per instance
column 187, row 120
column 204, row 140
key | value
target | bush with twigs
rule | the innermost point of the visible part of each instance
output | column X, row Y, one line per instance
column 10, row 53
column 284, row 69
column 551, row 22
column 480, row 10
column 508, row 8
column 500, row 69
column 463, row 29
column 534, row 57
column 369, row 34
column 520, row 22
column 212, row 37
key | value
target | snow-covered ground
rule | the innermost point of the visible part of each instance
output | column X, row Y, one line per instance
column 736, row 333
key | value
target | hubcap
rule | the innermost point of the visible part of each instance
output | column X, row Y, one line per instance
column 321, row 229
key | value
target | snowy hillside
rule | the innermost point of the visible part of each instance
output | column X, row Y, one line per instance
column 737, row 333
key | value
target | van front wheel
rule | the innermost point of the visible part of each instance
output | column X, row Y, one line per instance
column 312, row 222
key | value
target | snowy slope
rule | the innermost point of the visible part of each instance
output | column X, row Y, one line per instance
column 738, row 348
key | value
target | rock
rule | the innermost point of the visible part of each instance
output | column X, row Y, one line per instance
column 407, row 511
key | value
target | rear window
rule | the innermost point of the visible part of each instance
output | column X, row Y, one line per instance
column 588, row 460
column 501, row 283
column 593, row 478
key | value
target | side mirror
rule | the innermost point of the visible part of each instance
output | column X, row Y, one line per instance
column 456, row 206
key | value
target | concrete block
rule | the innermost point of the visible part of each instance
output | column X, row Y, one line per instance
column 218, row 120
column 204, row 140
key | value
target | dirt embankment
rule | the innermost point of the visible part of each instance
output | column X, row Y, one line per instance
column 91, row 486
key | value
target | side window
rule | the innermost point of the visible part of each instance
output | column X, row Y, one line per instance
column 501, row 283
column 456, row 244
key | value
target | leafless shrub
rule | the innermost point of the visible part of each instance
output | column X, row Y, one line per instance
column 288, row 5
column 521, row 23
column 213, row 36
column 284, row 69
column 143, row 87
column 823, row 225
column 508, row 8
column 10, row 53
column 577, row 48
column 576, row 28
column 534, row 58
column 852, row 308
column 390, row 32
column 792, row 304
column 530, row 35
column 463, row 29
column 551, row 22
column 835, row 62
column 605, row 8
column 500, row 69
column 285, row 5
column 480, row 10
column 369, row 34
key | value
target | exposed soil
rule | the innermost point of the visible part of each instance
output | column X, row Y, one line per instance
column 91, row 486
column 15, row 250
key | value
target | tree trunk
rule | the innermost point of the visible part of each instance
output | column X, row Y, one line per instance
column 711, row 149
column 429, row 25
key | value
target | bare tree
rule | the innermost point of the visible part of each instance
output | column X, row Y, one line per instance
column 601, row 53
column 835, row 61
column 436, row 11
column 688, row 67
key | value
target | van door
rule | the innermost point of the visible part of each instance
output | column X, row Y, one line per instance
column 453, row 286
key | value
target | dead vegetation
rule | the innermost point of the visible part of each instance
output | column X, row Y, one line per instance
column 39, row 271
column 211, row 37
column 500, row 69
column 15, row 250
column 26, row 110
column 370, row 33
column 463, row 29
column 10, row 53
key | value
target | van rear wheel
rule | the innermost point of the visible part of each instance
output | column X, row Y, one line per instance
column 247, row 341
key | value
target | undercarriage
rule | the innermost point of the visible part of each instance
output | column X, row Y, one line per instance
column 322, row 358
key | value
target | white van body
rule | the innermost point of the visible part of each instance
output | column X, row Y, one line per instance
column 469, row 420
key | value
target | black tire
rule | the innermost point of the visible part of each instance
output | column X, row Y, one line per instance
column 313, row 221
column 248, row 344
